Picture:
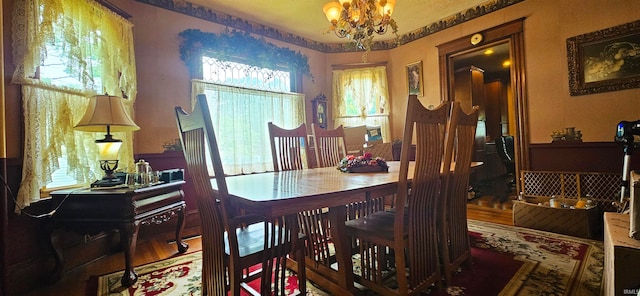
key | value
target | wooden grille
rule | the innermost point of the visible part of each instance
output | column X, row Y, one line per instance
column 602, row 188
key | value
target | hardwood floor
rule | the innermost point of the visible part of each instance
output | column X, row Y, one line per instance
column 148, row 250
column 489, row 208
column 485, row 208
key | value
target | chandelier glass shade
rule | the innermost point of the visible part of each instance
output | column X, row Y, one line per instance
column 361, row 20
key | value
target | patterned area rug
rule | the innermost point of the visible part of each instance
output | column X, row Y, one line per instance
column 506, row 261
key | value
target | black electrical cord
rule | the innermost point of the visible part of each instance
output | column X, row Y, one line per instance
column 40, row 216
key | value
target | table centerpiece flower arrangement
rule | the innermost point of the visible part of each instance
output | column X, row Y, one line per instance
column 363, row 163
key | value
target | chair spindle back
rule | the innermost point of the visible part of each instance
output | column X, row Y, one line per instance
column 329, row 146
column 289, row 147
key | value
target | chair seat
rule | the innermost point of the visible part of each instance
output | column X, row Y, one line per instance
column 378, row 225
column 250, row 239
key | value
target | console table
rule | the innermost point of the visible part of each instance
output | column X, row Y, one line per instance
column 621, row 256
column 91, row 211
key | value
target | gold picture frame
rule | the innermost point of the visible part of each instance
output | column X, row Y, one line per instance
column 415, row 83
column 320, row 110
column 605, row 60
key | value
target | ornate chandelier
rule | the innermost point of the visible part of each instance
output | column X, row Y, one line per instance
column 358, row 20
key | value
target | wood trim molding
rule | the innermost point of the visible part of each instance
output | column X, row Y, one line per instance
column 4, row 221
column 606, row 157
column 511, row 32
column 455, row 47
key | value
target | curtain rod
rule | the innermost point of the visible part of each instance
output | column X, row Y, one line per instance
column 114, row 8
column 357, row 65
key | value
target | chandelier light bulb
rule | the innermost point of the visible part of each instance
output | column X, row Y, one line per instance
column 390, row 4
column 345, row 3
column 387, row 7
column 356, row 15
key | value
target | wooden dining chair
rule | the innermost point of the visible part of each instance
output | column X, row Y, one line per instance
column 289, row 147
column 329, row 146
column 330, row 149
column 455, row 247
column 286, row 151
column 410, row 230
column 232, row 242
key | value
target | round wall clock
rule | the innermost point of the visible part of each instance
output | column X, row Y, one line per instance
column 476, row 38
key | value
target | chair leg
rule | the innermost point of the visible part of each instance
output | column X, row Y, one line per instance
column 401, row 273
column 443, row 248
column 235, row 280
column 302, row 275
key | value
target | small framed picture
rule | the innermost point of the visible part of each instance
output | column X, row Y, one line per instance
column 414, row 78
column 320, row 110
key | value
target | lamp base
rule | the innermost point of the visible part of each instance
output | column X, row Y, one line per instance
column 107, row 183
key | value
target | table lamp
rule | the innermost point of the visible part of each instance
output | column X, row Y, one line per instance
column 106, row 113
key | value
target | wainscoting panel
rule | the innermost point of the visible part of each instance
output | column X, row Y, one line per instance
column 605, row 157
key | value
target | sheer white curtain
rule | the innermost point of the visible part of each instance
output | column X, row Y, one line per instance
column 361, row 97
column 64, row 52
column 240, row 118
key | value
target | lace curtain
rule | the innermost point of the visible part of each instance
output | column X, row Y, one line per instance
column 361, row 97
column 240, row 118
column 95, row 46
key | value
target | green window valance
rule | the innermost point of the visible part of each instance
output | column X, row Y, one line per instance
column 242, row 47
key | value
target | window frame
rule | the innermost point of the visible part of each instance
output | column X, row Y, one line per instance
column 49, row 110
column 268, row 160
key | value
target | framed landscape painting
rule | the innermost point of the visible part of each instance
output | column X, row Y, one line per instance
column 605, row 60
column 414, row 78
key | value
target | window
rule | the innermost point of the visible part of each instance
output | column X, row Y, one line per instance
column 60, row 177
column 361, row 97
column 243, row 99
column 61, row 57
column 62, row 67
column 242, row 75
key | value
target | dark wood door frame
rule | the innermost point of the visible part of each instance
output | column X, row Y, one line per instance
column 4, row 208
column 512, row 32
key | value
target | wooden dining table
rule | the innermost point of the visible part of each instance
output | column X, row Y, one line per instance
column 277, row 194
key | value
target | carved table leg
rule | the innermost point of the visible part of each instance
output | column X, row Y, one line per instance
column 182, row 246
column 128, row 237
column 52, row 243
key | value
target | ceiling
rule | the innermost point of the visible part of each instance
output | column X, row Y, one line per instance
column 306, row 19
column 489, row 62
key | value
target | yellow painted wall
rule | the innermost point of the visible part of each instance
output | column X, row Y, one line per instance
column 547, row 26
column 163, row 78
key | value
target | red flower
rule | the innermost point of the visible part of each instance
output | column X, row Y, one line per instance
column 368, row 155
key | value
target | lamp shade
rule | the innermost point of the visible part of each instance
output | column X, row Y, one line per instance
column 106, row 112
